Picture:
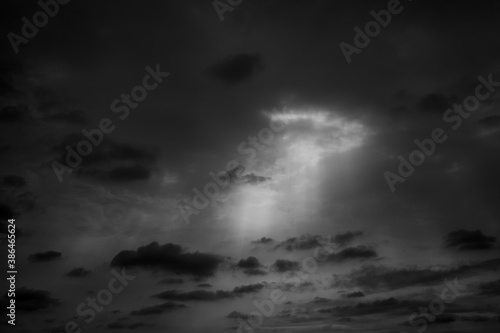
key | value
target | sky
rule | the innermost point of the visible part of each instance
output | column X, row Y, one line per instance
column 251, row 166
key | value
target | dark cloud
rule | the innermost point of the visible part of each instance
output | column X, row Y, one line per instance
column 254, row 271
column 469, row 240
column 263, row 240
column 78, row 272
column 12, row 114
column 389, row 278
column 435, row 103
column 7, row 212
column 110, row 161
column 204, row 295
column 359, row 252
column 14, row 181
column 237, row 314
column 171, row 281
column 283, row 265
column 307, row 242
column 128, row 173
column 204, row 285
column 389, row 305
column 304, row 242
column 254, row 179
column 237, row 68
column 490, row 288
column 346, row 238
column 168, row 257
column 31, row 300
column 44, row 256
column 72, row 117
column 250, row 262
column 490, row 121
column 355, row 294
column 158, row 309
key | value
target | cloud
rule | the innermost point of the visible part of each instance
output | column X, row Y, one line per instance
column 158, row 309
column 250, row 262
column 389, row 278
column 254, row 271
column 346, row 238
column 490, row 288
column 127, row 173
column 435, row 103
column 44, row 256
column 14, row 181
column 304, row 242
column 168, row 257
column 389, row 305
column 78, row 272
column 31, row 300
column 350, row 253
column 72, row 117
column 307, row 242
column 469, row 240
column 237, row 68
column 171, row 281
column 13, row 114
column 283, row 265
column 263, row 240
column 204, row 295
column 355, row 294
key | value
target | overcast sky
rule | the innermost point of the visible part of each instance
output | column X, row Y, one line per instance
column 233, row 144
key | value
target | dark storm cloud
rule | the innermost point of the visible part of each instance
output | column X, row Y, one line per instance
column 204, row 295
column 346, row 238
column 254, row 179
column 490, row 288
column 73, row 117
column 304, row 242
column 12, row 114
column 351, row 253
column 386, row 306
column 158, row 309
column 7, row 211
column 469, row 240
column 44, row 256
column 491, row 121
column 389, row 278
column 110, row 161
column 237, row 68
column 171, row 281
column 307, row 242
column 250, row 262
column 263, row 240
column 30, row 300
column 128, row 173
column 355, row 294
column 168, row 257
column 14, row 181
column 254, row 271
column 107, row 152
column 283, row 265
column 78, row 272
column 436, row 103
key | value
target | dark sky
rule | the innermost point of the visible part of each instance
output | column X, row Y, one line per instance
column 388, row 159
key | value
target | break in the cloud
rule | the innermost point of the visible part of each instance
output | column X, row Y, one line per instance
column 204, row 295
column 168, row 257
column 44, row 256
column 237, row 68
column 469, row 240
